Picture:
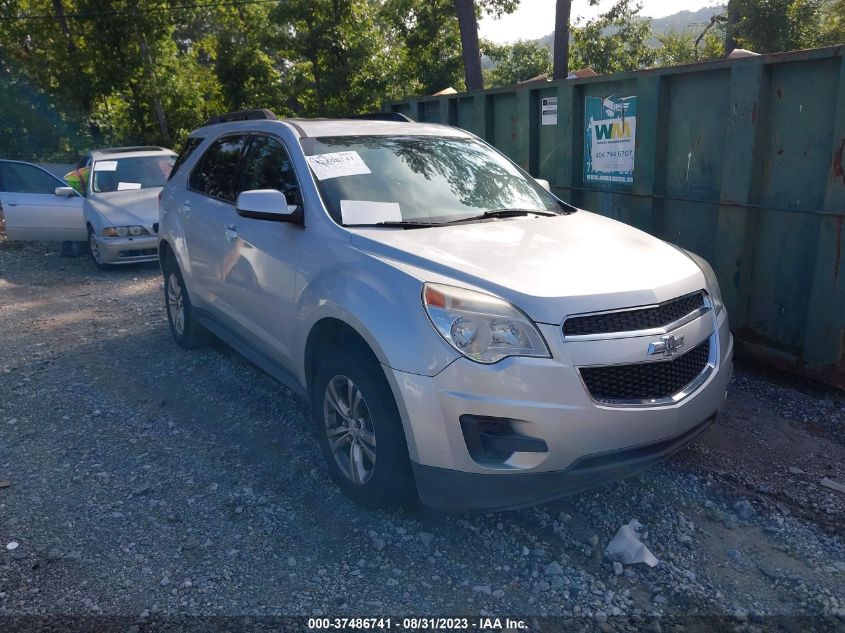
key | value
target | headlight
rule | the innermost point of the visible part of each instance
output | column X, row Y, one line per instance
column 482, row 327
column 709, row 276
column 123, row 231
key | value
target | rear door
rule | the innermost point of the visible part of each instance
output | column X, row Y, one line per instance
column 31, row 208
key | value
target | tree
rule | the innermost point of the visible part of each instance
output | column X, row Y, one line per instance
column 334, row 55
column 770, row 26
column 616, row 41
column 732, row 18
column 683, row 47
column 832, row 31
column 468, row 24
column 426, row 44
column 563, row 9
column 517, row 62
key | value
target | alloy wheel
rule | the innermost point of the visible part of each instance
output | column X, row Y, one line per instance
column 176, row 303
column 95, row 250
column 349, row 429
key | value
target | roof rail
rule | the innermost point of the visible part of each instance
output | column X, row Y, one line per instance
column 381, row 116
column 242, row 115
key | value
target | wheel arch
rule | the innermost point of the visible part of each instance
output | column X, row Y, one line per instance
column 333, row 333
column 165, row 254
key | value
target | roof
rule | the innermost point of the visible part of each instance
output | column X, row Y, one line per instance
column 137, row 151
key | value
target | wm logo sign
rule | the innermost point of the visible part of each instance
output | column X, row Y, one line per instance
column 613, row 130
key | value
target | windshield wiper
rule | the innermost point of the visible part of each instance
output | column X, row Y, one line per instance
column 403, row 224
column 504, row 213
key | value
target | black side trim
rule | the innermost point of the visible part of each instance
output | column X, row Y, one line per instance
column 252, row 354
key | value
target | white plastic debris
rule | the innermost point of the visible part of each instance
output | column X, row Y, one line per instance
column 12, row 545
column 627, row 548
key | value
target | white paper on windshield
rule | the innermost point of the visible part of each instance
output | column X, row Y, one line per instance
column 105, row 165
column 366, row 212
column 337, row 164
column 126, row 186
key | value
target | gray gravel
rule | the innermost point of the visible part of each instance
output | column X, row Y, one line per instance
column 149, row 482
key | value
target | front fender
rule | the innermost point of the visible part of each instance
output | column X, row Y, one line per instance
column 384, row 305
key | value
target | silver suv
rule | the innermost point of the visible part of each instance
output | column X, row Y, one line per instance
column 459, row 332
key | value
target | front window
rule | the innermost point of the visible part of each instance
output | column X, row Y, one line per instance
column 419, row 179
column 22, row 178
column 124, row 174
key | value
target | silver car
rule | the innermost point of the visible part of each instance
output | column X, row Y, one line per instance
column 114, row 206
column 121, row 202
column 458, row 332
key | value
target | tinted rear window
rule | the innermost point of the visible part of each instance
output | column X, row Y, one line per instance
column 216, row 172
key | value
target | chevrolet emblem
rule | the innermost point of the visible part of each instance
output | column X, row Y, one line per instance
column 667, row 345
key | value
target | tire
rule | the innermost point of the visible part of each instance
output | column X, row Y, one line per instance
column 370, row 459
column 187, row 331
column 94, row 251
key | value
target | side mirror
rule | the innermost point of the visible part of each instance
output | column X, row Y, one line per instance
column 267, row 204
column 65, row 192
column 544, row 184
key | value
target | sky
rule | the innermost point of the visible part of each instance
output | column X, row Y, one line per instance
column 536, row 18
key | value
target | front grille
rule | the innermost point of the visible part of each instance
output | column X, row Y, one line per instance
column 646, row 381
column 637, row 319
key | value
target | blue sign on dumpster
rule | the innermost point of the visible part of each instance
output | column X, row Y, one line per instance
column 610, row 132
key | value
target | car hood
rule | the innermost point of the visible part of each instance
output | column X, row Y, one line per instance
column 126, row 208
column 549, row 267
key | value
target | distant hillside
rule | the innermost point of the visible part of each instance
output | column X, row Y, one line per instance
column 681, row 21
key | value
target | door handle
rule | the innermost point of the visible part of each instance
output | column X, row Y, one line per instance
column 231, row 233
column 186, row 206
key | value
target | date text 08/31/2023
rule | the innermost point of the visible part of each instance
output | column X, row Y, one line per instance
column 417, row 623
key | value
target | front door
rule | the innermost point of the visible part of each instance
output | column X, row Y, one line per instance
column 259, row 261
column 31, row 208
column 203, row 209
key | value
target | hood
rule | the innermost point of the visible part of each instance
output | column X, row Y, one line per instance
column 126, row 208
column 548, row 267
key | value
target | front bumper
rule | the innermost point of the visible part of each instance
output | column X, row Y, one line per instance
column 454, row 491
column 128, row 250
column 545, row 399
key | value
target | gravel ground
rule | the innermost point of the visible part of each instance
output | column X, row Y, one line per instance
column 150, row 483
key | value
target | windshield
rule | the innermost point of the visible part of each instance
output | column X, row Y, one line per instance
column 124, row 174
column 426, row 179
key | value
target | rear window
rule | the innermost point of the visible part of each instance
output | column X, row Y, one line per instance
column 187, row 149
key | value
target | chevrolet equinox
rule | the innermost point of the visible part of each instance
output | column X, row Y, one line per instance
column 458, row 332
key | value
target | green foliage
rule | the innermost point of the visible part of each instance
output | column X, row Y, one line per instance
column 616, row 41
column 679, row 47
column 770, row 26
column 832, row 23
column 149, row 71
column 337, row 44
column 426, row 41
column 516, row 62
column 31, row 127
